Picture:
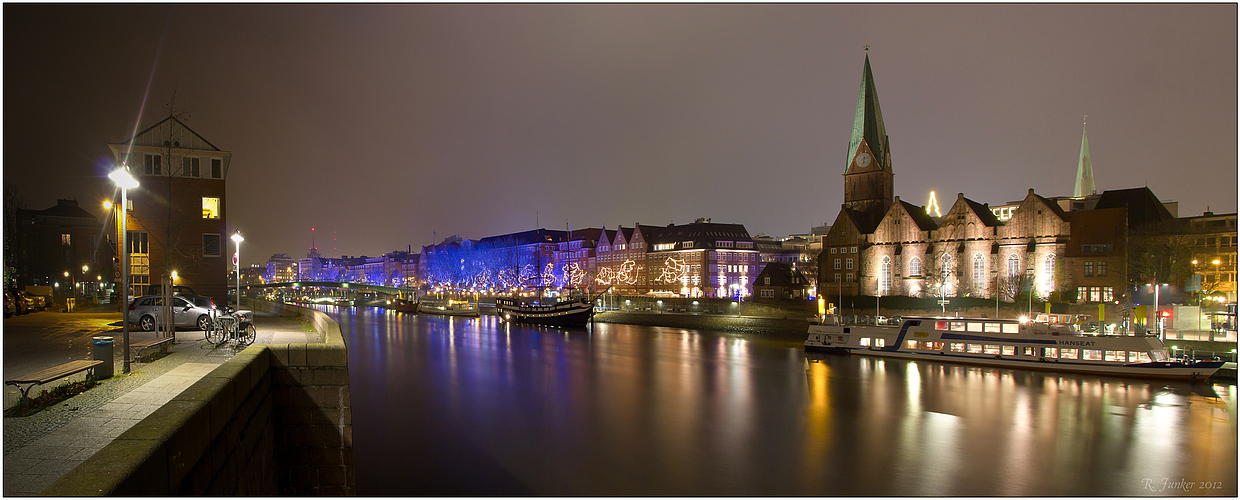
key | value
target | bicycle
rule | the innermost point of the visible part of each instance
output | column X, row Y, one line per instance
column 238, row 326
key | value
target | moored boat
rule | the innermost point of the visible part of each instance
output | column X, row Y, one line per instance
column 1010, row 343
column 449, row 308
column 575, row 312
column 404, row 305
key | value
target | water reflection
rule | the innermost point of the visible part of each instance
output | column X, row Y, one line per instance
column 474, row 406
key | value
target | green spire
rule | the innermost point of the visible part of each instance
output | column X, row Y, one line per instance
column 1084, row 169
column 868, row 122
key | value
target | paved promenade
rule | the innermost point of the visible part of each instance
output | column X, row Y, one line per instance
column 40, row 448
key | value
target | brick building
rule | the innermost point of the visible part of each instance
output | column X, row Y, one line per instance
column 177, row 219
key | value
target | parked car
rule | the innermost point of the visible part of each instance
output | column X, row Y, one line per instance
column 10, row 304
column 144, row 312
column 33, row 302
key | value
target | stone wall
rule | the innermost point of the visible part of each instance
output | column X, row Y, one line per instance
column 275, row 419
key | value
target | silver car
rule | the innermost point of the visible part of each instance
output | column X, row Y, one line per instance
column 145, row 311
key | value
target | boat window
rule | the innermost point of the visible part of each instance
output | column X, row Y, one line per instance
column 1009, row 350
column 975, row 327
column 938, row 346
column 912, row 344
column 992, row 328
column 1028, row 351
column 1011, row 328
column 1143, row 357
column 1159, row 356
column 940, row 325
column 1113, row 356
column 1134, row 356
column 975, row 348
column 991, row 349
column 1050, row 352
column 1067, row 354
column 865, row 342
column 880, row 342
column 958, row 326
column 1091, row 354
column 957, row 346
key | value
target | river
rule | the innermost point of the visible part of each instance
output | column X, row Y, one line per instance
column 476, row 407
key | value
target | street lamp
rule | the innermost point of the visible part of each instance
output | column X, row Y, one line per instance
column 85, row 279
column 72, row 288
column 236, row 237
column 1157, row 315
column 125, row 182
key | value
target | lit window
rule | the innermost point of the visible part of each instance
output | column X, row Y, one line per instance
column 210, row 208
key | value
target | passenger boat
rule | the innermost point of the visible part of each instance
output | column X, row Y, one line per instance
column 575, row 312
column 449, row 308
column 1010, row 343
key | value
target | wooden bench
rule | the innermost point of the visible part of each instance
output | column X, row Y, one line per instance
column 139, row 346
column 54, row 373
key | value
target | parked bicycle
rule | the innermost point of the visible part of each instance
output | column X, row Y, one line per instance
column 236, row 326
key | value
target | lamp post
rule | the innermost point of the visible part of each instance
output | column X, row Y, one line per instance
column 72, row 288
column 1157, row 314
column 236, row 237
column 125, row 182
column 85, row 268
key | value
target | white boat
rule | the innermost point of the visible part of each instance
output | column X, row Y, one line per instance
column 1010, row 343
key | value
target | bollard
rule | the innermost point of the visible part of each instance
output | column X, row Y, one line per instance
column 101, row 350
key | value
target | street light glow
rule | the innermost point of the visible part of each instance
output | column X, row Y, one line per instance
column 122, row 178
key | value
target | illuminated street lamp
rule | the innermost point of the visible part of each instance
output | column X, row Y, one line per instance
column 236, row 237
column 125, row 182
column 1158, row 316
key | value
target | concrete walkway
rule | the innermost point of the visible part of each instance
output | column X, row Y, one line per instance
column 41, row 448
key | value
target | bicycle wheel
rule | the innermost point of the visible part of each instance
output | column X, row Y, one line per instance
column 215, row 334
column 247, row 335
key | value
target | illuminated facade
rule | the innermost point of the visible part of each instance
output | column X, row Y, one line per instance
column 882, row 246
column 178, row 216
column 280, row 269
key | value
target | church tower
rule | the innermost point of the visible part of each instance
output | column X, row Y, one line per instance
column 868, row 178
column 1084, row 170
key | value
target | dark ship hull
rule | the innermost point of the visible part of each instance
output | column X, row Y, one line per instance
column 575, row 313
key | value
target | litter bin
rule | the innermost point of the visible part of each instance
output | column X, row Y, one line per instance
column 101, row 350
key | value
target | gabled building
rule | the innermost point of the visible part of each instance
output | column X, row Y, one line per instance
column 780, row 282
column 622, row 261
column 880, row 245
column 177, row 219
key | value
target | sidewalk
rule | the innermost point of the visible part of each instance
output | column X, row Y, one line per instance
column 41, row 448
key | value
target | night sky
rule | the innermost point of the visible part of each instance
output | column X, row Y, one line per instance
column 395, row 125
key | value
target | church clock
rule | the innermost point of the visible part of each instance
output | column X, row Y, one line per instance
column 863, row 160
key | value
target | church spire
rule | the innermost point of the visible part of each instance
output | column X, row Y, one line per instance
column 868, row 185
column 868, row 120
column 1084, row 169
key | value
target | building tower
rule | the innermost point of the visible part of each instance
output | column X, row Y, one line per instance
column 868, row 178
column 1084, row 170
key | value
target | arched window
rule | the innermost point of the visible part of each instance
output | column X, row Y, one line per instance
column 914, row 266
column 1013, row 269
column 945, row 274
column 979, row 270
column 884, row 280
column 1048, row 274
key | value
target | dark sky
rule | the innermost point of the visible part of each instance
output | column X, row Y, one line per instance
column 386, row 124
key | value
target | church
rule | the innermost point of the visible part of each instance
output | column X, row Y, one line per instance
column 881, row 245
